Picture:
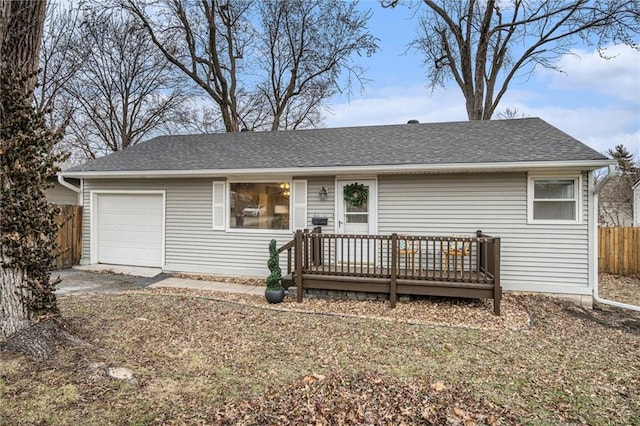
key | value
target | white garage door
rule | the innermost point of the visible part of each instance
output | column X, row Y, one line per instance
column 129, row 229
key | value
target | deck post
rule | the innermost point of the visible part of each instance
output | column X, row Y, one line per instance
column 305, row 249
column 479, row 248
column 394, row 271
column 316, row 247
column 298, row 265
column 497, row 289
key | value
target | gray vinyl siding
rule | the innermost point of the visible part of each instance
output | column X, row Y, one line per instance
column 190, row 243
column 317, row 207
column 535, row 257
column 58, row 194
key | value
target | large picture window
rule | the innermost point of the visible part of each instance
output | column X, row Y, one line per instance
column 260, row 205
column 554, row 200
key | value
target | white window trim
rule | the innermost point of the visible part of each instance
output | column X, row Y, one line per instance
column 577, row 178
column 228, row 227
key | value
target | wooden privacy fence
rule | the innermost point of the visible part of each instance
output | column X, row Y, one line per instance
column 619, row 250
column 69, row 237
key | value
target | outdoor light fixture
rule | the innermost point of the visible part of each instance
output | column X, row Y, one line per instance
column 323, row 193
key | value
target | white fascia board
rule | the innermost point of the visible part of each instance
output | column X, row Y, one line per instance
column 377, row 169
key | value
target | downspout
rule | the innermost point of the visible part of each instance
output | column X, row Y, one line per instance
column 594, row 224
column 74, row 188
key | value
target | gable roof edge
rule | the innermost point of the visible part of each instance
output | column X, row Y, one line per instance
column 382, row 169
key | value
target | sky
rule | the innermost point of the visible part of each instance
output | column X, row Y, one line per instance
column 595, row 100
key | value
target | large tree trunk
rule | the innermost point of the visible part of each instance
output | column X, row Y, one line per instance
column 5, row 9
column 14, row 315
column 21, row 37
column 27, row 225
column 21, row 26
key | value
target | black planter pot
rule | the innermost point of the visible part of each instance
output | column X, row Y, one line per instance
column 274, row 296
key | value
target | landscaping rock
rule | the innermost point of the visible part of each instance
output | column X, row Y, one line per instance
column 122, row 374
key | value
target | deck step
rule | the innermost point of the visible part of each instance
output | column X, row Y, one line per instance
column 288, row 281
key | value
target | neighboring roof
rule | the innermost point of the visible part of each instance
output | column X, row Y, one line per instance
column 471, row 143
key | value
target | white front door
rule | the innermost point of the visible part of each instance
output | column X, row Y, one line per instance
column 357, row 220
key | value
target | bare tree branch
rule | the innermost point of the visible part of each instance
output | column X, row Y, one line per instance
column 124, row 88
column 58, row 65
column 484, row 45
column 257, row 59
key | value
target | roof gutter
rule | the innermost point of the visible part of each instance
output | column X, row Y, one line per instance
column 66, row 184
column 596, row 190
column 379, row 169
column 70, row 186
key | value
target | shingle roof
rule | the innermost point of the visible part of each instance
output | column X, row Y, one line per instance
column 496, row 141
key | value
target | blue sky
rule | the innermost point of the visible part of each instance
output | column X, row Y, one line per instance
column 596, row 101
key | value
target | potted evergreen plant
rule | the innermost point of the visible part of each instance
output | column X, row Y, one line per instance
column 274, row 292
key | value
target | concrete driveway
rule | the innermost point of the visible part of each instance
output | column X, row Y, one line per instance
column 79, row 281
column 115, row 279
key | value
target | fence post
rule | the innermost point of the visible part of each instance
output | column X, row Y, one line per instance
column 394, row 271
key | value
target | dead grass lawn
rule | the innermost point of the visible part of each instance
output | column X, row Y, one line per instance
column 620, row 288
column 201, row 361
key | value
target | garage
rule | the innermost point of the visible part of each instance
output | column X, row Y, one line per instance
column 129, row 229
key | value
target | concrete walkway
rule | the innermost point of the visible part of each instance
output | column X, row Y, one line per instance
column 209, row 285
column 137, row 271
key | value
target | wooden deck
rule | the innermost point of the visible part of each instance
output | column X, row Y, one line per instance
column 396, row 265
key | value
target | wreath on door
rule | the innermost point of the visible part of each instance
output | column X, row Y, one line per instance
column 356, row 194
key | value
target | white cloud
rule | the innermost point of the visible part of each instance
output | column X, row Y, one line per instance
column 597, row 101
column 601, row 128
column 397, row 105
column 587, row 71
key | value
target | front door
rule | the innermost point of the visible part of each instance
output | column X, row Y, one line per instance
column 357, row 220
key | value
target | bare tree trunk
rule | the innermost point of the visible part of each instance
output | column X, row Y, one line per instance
column 5, row 9
column 14, row 315
column 20, row 45
column 26, row 295
column 484, row 45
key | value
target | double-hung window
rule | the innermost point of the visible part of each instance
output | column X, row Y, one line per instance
column 554, row 199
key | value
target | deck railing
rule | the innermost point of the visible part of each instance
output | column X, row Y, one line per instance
column 460, row 262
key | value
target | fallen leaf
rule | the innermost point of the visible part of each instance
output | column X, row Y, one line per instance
column 313, row 377
column 438, row 386
column 459, row 412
